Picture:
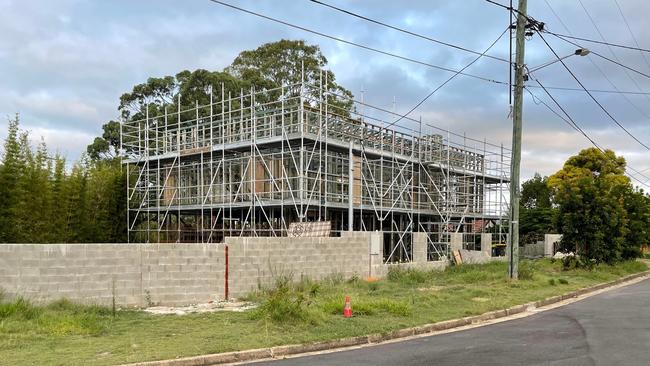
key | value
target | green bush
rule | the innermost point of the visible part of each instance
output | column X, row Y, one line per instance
column 576, row 262
column 527, row 270
column 19, row 308
column 287, row 302
column 563, row 281
column 551, row 281
column 373, row 286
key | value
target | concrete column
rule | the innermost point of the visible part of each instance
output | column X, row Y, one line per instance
column 419, row 247
column 455, row 241
column 549, row 240
column 376, row 254
column 486, row 243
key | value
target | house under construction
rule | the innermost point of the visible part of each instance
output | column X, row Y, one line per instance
column 281, row 162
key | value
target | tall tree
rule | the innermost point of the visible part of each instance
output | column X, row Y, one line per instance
column 590, row 191
column 536, row 209
column 288, row 63
column 637, row 206
column 13, row 167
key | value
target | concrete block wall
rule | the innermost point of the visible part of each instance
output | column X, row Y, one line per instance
column 486, row 243
column 257, row 262
column 419, row 247
column 455, row 241
column 133, row 274
column 532, row 250
column 474, row 256
column 181, row 274
column 549, row 240
column 420, row 259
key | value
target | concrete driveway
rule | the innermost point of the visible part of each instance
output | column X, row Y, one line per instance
column 612, row 328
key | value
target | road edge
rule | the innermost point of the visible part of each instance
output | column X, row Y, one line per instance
column 400, row 334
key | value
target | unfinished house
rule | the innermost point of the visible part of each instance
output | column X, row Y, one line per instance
column 290, row 162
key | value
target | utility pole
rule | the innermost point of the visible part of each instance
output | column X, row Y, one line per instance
column 513, row 248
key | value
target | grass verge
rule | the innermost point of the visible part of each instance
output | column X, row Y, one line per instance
column 63, row 333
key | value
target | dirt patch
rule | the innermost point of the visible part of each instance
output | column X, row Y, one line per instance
column 431, row 289
column 209, row 307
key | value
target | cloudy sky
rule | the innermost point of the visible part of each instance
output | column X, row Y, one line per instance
column 65, row 63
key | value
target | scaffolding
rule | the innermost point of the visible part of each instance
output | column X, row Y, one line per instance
column 266, row 163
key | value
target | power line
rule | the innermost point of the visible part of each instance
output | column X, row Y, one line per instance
column 348, row 12
column 576, row 127
column 618, row 6
column 338, row 39
column 593, row 22
column 417, row 61
column 604, row 91
column 528, row 17
column 595, row 41
column 598, row 67
column 601, row 56
column 557, row 17
column 449, row 79
column 591, row 95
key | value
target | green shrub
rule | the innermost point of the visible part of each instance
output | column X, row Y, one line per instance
column 527, row 270
column 551, row 281
column 19, row 308
column 563, row 281
column 571, row 262
column 287, row 302
column 373, row 286
column 334, row 279
column 354, row 280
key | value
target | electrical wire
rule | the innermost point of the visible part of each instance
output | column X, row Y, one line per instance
column 601, row 55
column 409, row 59
column 618, row 61
column 605, row 76
column 620, row 10
column 449, row 79
column 591, row 95
column 605, row 91
column 571, row 122
column 338, row 39
column 598, row 42
column 378, row 22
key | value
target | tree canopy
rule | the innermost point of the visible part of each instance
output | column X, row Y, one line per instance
column 600, row 215
column 43, row 201
column 536, row 209
column 271, row 66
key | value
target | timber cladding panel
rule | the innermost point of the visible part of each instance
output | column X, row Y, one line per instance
column 133, row 274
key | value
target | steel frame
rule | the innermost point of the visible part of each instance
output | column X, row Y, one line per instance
column 251, row 164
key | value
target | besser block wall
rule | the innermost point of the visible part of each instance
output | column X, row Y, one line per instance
column 257, row 262
column 135, row 274
column 181, row 274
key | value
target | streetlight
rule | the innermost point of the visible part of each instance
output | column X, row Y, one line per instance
column 578, row 52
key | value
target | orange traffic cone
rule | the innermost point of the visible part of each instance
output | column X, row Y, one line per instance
column 347, row 310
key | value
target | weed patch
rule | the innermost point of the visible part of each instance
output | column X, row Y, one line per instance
column 288, row 302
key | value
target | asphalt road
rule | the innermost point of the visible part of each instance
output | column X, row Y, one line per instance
column 612, row 328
